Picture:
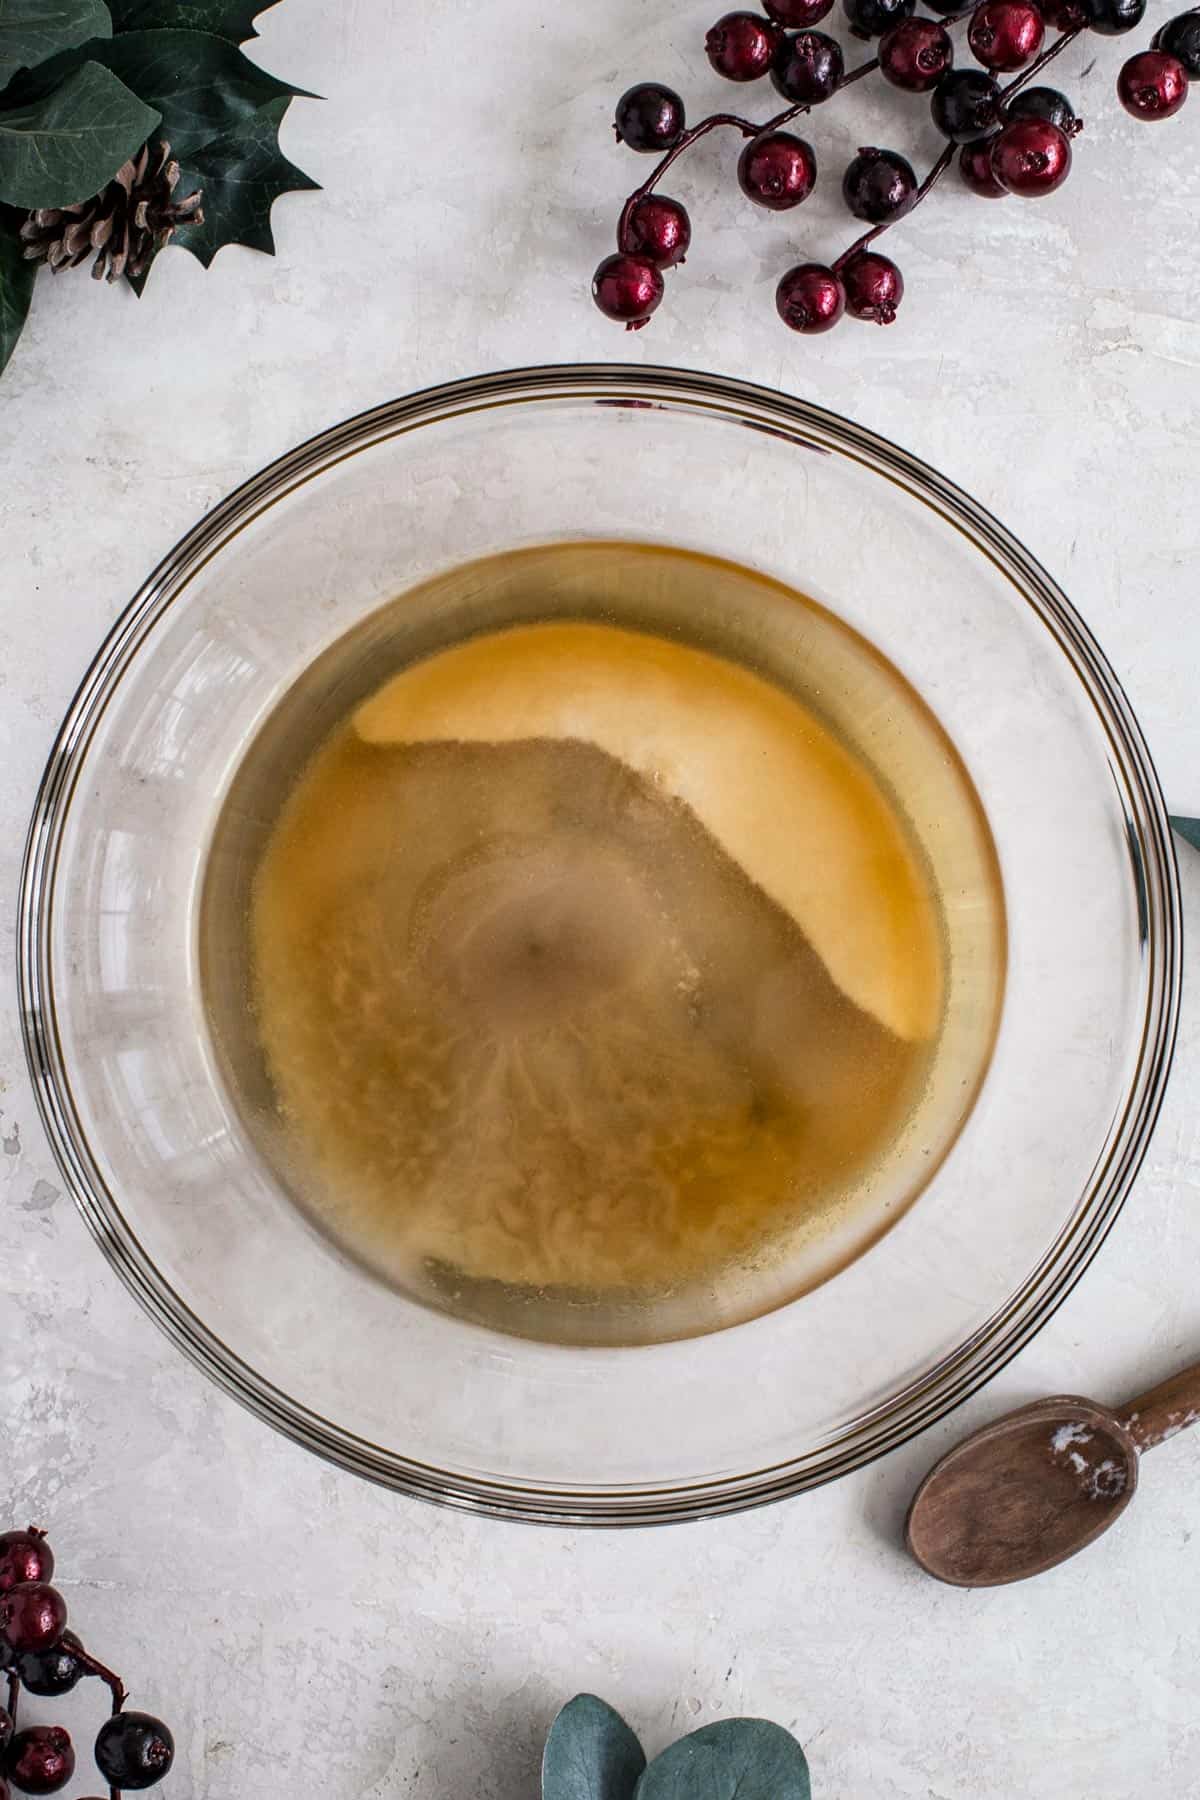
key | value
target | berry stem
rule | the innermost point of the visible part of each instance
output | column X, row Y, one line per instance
column 1039, row 63
column 113, row 1682
column 947, row 157
column 749, row 129
column 14, row 1694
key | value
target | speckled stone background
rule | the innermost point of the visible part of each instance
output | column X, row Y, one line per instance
column 307, row 1635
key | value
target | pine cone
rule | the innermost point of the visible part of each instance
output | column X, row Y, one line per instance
column 125, row 225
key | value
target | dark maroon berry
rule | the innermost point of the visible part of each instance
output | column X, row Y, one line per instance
column 628, row 289
column 965, row 105
column 740, row 46
column 879, row 186
column 808, row 67
column 874, row 286
column 1006, row 34
column 134, row 1750
column 1031, row 157
column 798, row 15
column 32, row 1616
column 41, row 1760
column 1044, row 103
column 1153, row 85
column 1181, row 38
column 1112, row 18
column 871, row 18
column 975, row 167
column 49, row 1673
column 777, row 170
column 810, row 299
column 915, row 54
column 658, row 230
column 24, row 1556
column 650, row 118
column 1063, row 15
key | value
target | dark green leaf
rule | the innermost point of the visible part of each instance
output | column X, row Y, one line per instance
column 232, row 19
column 203, row 87
column 16, row 288
column 240, row 176
column 591, row 1754
column 64, row 148
column 32, row 30
column 1188, row 829
column 738, row 1759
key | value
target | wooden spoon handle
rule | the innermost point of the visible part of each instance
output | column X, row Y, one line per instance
column 1170, row 1407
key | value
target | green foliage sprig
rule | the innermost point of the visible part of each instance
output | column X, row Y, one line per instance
column 84, row 84
column 591, row 1754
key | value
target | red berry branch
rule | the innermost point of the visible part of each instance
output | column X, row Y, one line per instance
column 1012, row 139
column 38, row 1654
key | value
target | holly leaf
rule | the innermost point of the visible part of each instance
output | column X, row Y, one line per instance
column 591, row 1754
column 16, row 288
column 1189, row 830
column 736, row 1759
column 229, row 19
column 32, row 30
column 241, row 176
column 62, row 149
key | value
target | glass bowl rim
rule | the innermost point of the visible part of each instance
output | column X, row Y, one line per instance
column 1151, row 848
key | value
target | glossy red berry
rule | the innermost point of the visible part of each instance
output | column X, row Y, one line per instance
column 41, row 1760
column 1153, row 85
column 915, row 54
column 798, row 15
column 808, row 67
column 1005, row 34
column 879, row 185
column 134, row 1750
column 874, row 286
column 740, row 45
column 1181, row 38
column 965, row 105
column 24, row 1556
column 32, row 1616
column 628, row 289
column 649, row 118
column 1031, row 157
column 975, row 167
column 658, row 230
column 777, row 170
column 810, row 299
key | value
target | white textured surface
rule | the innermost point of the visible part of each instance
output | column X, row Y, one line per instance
column 307, row 1635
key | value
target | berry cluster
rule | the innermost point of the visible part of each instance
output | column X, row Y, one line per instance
column 38, row 1654
column 1007, row 139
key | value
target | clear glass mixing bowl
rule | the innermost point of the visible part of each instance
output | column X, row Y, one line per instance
column 161, row 1164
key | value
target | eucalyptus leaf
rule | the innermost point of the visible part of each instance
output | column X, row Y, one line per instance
column 231, row 19
column 736, row 1759
column 591, row 1754
column 64, row 148
column 1188, row 829
column 16, row 288
column 32, row 30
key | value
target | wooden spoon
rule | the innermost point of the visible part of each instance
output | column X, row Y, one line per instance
column 1039, row 1484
